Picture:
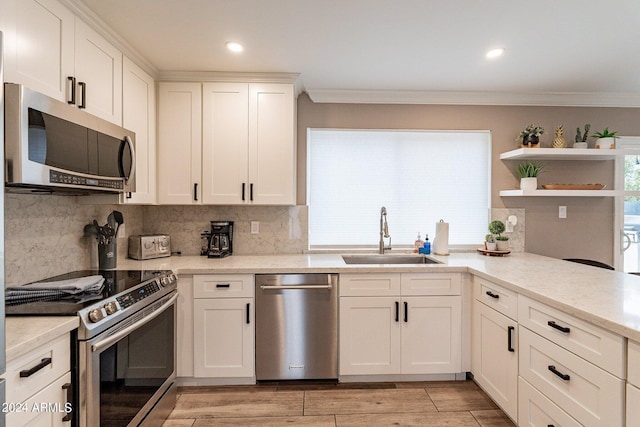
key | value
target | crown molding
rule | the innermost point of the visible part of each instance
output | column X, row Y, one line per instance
column 562, row 99
column 228, row 76
column 83, row 12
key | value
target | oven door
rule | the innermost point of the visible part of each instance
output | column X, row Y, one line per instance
column 129, row 370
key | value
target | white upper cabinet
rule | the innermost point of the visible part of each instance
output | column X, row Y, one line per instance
column 179, row 143
column 272, row 154
column 139, row 115
column 248, row 144
column 225, row 150
column 38, row 45
column 240, row 150
column 98, row 73
column 50, row 50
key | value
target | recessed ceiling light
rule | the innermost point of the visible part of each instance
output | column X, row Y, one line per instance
column 234, row 46
column 495, row 53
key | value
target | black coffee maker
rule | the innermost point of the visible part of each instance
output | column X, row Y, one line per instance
column 221, row 239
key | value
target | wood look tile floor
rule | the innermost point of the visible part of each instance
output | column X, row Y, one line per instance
column 437, row 404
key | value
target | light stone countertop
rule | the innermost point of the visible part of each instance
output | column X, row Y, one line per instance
column 25, row 333
column 603, row 297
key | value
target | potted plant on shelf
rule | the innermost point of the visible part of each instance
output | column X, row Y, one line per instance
column 530, row 136
column 581, row 139
column 489, row 242
column 605, row 139
column 497, row 227
column 529, row 175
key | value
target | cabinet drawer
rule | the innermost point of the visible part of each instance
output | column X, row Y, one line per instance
column 600, row 347
column 430, row 284
column 496, row 297
column 223, row 286
column 20, row 388
column 372, row 285
column 534, row 409
column 633, row 367
column 54, row 396
column 589, row 394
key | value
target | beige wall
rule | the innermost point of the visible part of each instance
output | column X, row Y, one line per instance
column 588, row 230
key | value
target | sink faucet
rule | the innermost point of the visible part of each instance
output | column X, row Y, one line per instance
column 384, row 230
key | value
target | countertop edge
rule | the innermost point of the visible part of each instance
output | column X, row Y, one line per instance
column 26, row 333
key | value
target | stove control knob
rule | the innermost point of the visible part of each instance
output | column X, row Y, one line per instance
column 111, row 307
column 97, row 315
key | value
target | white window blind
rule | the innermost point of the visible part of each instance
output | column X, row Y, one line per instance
column 419, row 176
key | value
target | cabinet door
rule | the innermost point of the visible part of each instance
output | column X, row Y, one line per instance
column 369, row 335
column 272, row 153
column 179, row 143
column 494, row 365
column 431, row 335
column 98, row 65
column 225, row 143
column 223, row 338
column 52, row 402
column 38, row 45
column 139, row 115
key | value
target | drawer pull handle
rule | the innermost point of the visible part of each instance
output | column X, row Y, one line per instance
column 68, row 388
column 248, row 313
column 397, row 311
column 553, row 369
column 510, row 330
column 550, row 425
column 492, row 295
column 28, row 372
column 554, row 325
column 223, row 285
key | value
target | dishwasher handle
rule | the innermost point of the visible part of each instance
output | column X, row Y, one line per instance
column 269, row 287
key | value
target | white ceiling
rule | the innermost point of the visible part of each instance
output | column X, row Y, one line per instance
column 581, row 51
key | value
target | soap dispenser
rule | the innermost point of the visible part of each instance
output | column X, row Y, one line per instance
column 427, row 245
column 418, row 244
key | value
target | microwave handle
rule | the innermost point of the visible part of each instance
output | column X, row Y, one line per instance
column 133, row 159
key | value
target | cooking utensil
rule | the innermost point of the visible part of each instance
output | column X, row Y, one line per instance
column 90, row 230
column 119, row 219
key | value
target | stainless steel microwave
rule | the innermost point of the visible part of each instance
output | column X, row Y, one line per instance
column 51, row 146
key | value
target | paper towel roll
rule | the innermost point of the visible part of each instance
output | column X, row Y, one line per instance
column 441, row 242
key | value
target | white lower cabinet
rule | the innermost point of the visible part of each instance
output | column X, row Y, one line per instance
column 633, row 384
column 387, row 335
column 494, row 356
column 534, row 409
column 223, row 327
column 38, row 386
column 589, row 394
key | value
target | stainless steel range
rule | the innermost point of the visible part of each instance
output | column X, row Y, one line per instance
column 124, row 352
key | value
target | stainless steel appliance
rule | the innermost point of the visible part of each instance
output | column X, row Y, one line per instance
column 296, row 326
column 52, row 146
column 3, row 365
column 149, row 246
column 221, row 239
column 124, row 352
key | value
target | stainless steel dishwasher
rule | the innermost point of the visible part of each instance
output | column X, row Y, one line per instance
column 296, row 326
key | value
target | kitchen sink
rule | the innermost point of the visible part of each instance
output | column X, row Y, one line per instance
column 388, row 259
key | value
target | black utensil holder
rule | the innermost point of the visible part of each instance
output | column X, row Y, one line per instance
column 107, row 255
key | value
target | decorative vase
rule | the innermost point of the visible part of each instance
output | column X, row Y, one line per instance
column 528, row 184
column 503, row 245
column 490, row 246
column 531, row 141
column 580, row 145
column 559, row 141
column 606, row 143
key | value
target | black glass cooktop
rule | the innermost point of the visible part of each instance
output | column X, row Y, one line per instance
column 115, row 283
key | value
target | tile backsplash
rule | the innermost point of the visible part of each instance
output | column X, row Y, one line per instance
column 44, row 233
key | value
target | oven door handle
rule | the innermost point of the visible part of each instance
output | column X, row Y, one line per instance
column 107, row 342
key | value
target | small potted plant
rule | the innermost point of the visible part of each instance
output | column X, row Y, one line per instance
column 530, row 136
column 581, row 139
column 498, row 227
column 605, row 139
column 528, row 172
column 489, row 242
